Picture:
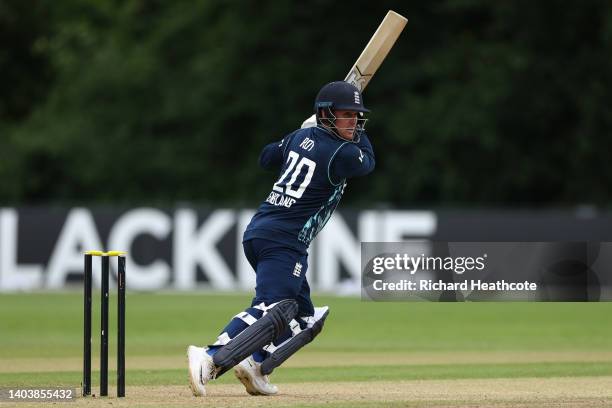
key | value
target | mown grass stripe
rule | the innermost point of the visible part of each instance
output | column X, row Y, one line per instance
column 325, row 374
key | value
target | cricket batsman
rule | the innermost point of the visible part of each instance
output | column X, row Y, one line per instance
column 313, row 163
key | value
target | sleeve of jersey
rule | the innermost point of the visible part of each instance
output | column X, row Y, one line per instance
column 353, row 160
column 271, row 156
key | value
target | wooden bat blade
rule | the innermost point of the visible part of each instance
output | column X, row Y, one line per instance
column 377, row 49
column 373, row 54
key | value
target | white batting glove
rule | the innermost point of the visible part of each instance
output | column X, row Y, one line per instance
column 310, row 122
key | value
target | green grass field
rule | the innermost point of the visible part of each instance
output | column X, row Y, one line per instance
column 369, row 354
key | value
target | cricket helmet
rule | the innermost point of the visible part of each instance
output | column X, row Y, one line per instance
column 340, row 95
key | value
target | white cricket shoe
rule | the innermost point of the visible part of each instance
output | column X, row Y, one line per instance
column 201, row 369
column 249, row 374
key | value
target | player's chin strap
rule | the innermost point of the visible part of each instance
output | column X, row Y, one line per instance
column 300, row 337
column 328, row 123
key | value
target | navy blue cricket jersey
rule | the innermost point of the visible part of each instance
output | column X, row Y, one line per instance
column 314, row 165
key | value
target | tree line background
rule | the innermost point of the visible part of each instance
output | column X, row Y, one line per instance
column 480, row 103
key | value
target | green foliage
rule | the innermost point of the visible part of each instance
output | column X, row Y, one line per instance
column 486, row 103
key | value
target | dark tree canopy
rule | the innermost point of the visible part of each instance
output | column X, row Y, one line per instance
column 480, row 103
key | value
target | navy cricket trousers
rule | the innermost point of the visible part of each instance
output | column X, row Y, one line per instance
column 280, row 274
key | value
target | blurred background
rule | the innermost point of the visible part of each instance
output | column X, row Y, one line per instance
column 137, row 125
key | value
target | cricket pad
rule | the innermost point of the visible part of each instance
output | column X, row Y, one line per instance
column 294, row 344
column 257, row 335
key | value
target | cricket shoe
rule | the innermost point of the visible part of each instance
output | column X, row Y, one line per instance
column 201, row 369
column 249, row 374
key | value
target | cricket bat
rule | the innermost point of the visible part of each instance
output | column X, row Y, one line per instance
column 376, row 51
column 373, row 54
